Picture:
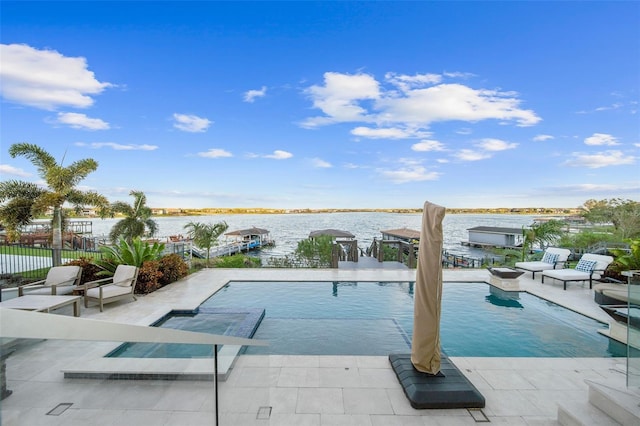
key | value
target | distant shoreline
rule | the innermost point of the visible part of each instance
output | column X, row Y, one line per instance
column 212, row 211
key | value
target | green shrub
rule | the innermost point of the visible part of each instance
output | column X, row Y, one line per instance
column 89, row 269
column 236, row 261
column 173, row 267
column 626, row 260
column 315, row 252
column 149, row 277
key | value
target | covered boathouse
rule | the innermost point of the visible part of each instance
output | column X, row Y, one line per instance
column 492, row 236
column 403, row 234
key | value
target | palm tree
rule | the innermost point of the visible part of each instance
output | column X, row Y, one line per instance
column 543, row 234
column 205, row 235
column 61, row 182
column 18, row 210
column 137, row 219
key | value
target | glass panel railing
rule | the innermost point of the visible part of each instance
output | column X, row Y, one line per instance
column 633, row 330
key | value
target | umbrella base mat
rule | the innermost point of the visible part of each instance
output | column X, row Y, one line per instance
column 451, row 389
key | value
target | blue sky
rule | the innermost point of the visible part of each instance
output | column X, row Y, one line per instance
column 329, row 104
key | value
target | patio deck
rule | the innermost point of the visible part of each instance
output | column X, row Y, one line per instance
column 292, row 390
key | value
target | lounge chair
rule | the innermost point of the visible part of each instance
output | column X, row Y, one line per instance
column 553, row 258
column 107, row 290
column 60, row 280
column 589, row 267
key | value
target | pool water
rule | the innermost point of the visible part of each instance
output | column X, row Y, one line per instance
column 376, row 318
column 222, row 321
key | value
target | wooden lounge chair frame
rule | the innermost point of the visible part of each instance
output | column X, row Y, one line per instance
column 107, row 283
column 54, row 281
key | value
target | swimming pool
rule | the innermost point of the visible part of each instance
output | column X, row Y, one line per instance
column 376, row 318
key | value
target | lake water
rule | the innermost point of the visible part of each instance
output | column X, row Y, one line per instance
column 288, row 229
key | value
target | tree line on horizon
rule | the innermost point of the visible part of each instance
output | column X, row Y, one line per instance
column 21, row 202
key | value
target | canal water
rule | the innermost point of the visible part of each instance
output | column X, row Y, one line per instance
column 287, row 229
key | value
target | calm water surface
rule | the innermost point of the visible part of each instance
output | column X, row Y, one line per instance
column 288, row 229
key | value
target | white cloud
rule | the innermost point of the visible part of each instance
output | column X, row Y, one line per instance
column 119, row 147
column 542, row 138
column 428, row 145
column 387, row 133
column 251, row 95
column 407, row 102
column 46, row 79
column 462, row 75
column 215, row 153
column 489, row 144
column 598, row 139
column 464, row 131
column 279, row 155
column 406, row 82
column 447, row 102
column 191, row 123
column 409, row 174
column 616, row 105
column 637, row 144
column 320, row 163
column 471, row 155
column 600, row 159
column 6, row 169
column 338, row 98
column 81, row 121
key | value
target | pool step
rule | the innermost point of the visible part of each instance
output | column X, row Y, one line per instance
column 609, row 403
column 621, row 403
column 106, row 368
column 579, row 413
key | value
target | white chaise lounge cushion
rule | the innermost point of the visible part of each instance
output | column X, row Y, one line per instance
column 601, row 263
column 108, row 291
column 544, row 264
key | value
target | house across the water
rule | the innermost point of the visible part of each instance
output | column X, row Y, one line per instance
column 492, row 236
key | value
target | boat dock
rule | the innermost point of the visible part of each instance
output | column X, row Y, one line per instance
column 244, row 240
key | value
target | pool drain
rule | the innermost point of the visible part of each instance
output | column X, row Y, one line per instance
column 478, row 415
column 264, row 413
column 59, row 409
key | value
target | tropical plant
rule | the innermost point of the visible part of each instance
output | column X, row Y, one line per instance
column 623, row 214
column 585, row 239
column 541, row 234
column 135, row 253
column 315, row 252
column 137, row 221
column 18, row 209
column 61, row 188
column 205, row 235
column 626, row 260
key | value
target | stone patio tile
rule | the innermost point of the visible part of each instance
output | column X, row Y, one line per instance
column 320, row 400
column 366, row 401
column 345, row 420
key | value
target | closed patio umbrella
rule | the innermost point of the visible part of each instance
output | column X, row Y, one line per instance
column 425, row 344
